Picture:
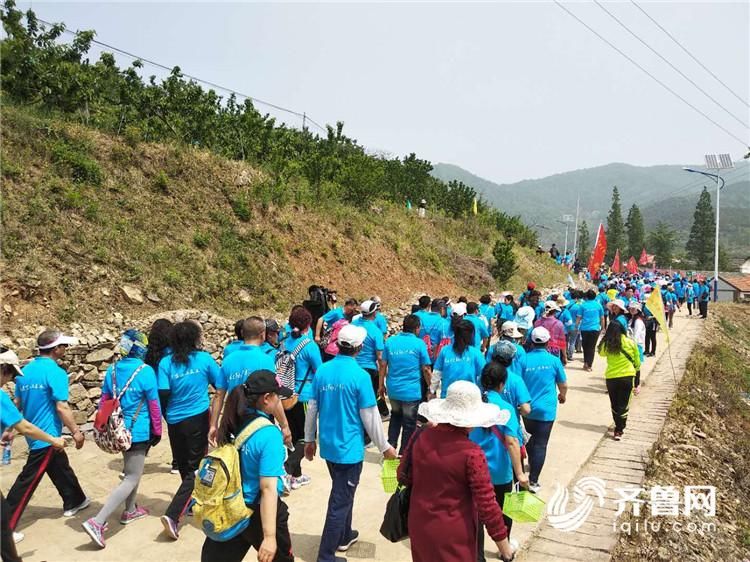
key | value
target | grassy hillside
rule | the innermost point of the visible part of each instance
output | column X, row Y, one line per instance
column 85, row 213
column 544, row 201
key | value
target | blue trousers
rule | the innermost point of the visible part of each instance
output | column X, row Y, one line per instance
column 403, row 421
column 338, row 526
column 537, row 445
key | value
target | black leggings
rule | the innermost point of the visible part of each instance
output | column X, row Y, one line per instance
column 620, row 390
column 296, row 418
column 500, row 490
column 650, row 339
column 190, row 437
column 589, row 338
column 375, row 378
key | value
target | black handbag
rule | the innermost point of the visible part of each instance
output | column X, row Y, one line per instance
column 395, row 525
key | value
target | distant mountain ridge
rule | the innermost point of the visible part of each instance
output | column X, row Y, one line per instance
column 664, row 193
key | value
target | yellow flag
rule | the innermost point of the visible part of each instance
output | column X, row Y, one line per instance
column 474, row 207
column 656, row 305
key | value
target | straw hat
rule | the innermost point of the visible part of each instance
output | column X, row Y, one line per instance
column 463, row 407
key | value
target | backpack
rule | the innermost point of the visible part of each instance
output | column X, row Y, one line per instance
column 111, row 434
column 332, row 336
column 219, row 505
column 439, row 347
column 286, row 371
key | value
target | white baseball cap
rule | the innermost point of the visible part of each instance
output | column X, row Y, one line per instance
column 540, row 334
column 352, row 336
column 9, row 357
column 459, row 308
column 369, row 306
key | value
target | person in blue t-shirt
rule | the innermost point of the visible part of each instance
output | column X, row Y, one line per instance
column 500, row 445
column 271, row 343
column 158, row 347
column 603, row 299
column 343, row 404
column 590, row 322
column 133, row 383
column 11, row 419
column 235, row 343
column 515, row 392
column 254, row 401
column 504, row 310
column 327, row 321
column 422, row 308
column 545, row 378
column 380, row 319
column 487, row 309
column 42, row 398
column 405, row 365
column 183, row 380
column 306, row 363
column 372, row 349
column 481, row 331
column 458, row 362
column 431, row 322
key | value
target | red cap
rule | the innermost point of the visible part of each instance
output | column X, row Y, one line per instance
column 531, row 286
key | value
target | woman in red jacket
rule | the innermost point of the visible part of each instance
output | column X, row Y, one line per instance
column 450, row 481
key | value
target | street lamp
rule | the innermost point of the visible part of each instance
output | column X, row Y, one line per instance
column 566, row 219
column 716, row 162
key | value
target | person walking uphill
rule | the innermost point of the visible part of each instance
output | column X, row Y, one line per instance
column 261, row 468
column 135, row 381
column 451, row 490
column 183, row 380
column 371, row 356
column 42, row 398
column 623, row 361
column 545, row 379
column 344, row 404
column 11, row 419
column 590, row 321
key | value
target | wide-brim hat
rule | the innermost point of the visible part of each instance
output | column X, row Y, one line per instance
column 463, row 407
column 617, row 303
column 525, row 317
column 510, row 329
column 9, row 357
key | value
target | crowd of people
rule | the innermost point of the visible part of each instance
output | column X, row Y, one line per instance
column 469, row 390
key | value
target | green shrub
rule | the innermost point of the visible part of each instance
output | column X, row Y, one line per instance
column 201, row 239
column 505, row 261
column 71, row 160
column 241, row 209
column 132, row 135
column 161, row 182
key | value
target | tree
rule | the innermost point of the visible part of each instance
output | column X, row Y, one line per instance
column 661, row 242
column 505, row 261
column 584, row 242
column 700, row 245
column 636, row 231
column 615, row 228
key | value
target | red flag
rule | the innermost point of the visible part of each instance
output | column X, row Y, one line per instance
column 643, row 260
column 632, row 265
column 616, row 266
column 597, row 255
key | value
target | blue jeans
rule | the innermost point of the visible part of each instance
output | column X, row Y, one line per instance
column 571, row 337
column 536, row 448
column 338, row 526
column 403, row 416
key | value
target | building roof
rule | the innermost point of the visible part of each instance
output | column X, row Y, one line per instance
column 738, row 281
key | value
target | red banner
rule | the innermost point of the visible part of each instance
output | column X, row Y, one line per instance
column 597, row 255
column 632, row 265
column 643, row 260
column 616, row 265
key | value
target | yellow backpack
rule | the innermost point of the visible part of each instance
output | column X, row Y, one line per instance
column 219, row 506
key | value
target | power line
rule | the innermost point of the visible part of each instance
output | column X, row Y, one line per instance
column 654, row 78
column 680, row 45
column 685, row 76
column 196, row 79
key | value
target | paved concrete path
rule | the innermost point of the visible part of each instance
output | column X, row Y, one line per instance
column 581, row 425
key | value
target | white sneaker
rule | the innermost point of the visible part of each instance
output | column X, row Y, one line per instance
column 299, row 481
column 18, row 537
column 71, row 512
column 534, row 487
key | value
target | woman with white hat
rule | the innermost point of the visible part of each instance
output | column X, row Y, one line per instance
column 450, row 482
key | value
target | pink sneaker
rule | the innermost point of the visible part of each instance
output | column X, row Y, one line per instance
column 130, row 516
column 95, row 531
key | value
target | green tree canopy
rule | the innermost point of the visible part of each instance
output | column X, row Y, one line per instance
column 661, row 241
column 700, row 245
column 584, row 242
column 636, row 232
column 615, row 227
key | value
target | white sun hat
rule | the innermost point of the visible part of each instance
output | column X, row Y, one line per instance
column 525, row 317
column 463, row 407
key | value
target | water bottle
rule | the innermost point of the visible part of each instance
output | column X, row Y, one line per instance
column 6, row 452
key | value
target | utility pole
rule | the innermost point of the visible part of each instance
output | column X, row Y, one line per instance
column 304, row 121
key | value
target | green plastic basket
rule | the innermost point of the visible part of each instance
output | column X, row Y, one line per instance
column 388, row 475
column 523, row 507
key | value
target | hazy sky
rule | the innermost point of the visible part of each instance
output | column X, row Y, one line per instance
column 506, row 90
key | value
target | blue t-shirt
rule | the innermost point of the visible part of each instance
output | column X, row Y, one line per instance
column 262, row 456
column 405, row 355
column 498, row 458
column 188, row 384
column 367, row 357
column 574, row 309
column 465, row 367
column 382, row 322
column 515, row 393
column 41, row 387
column 505, row 311
column 231, row 347
column 246, row 359
column 427, row 323
column 332, row 316
column 287, row 332
column 488, row 311
column 603, row 298
column 342, row 388
column 567, row 320
column 269, row 350
column 590, row 313
column 9, row 414
column 541, row 374
column 141, row 390
column 439, row 330
column 306, row 363
column 480, row 329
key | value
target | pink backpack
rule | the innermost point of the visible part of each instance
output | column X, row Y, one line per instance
column 331, row 348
